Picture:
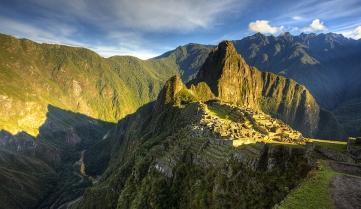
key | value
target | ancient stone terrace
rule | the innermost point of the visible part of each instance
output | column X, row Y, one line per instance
column 239, row 125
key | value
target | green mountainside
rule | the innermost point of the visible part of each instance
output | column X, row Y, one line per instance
column 24, row 180
column 189, row 58
column 34, row 75
column 108, row 89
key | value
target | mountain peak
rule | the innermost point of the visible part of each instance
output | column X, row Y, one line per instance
column 286, row 36
column 219, row 60
column 170, row 89
column 168, row 94
column 226, row 47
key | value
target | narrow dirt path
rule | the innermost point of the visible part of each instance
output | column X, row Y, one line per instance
column 345, row 188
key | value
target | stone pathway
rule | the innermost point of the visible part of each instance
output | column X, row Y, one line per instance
column 345, row 188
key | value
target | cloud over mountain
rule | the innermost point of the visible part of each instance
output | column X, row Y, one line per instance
column 315, row 26
column 263, row 26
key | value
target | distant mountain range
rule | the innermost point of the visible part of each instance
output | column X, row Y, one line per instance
column 329, row 65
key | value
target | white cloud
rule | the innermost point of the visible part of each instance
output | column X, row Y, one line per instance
column 263, row 26
column 42, row 35
column 355, row 33
column 108, row 51
column 125, row 43
column 315, row 26
column 297, row 18
column 118, row 27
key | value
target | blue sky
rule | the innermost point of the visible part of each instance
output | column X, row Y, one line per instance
column 146, row 28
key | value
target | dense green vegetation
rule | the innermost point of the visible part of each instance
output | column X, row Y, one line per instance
column 189, row 58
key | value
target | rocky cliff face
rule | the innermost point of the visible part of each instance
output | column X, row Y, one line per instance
column 232, row 80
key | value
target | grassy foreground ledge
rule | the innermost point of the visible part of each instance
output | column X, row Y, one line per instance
column 313, row 192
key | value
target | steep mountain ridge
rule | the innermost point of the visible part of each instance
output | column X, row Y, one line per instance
column 189, row 58
column 232, row 80
column 327, row 64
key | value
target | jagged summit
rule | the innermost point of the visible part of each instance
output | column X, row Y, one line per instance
column 214, row 67
column 168, row 94
column 170, row 89
column 226, row 47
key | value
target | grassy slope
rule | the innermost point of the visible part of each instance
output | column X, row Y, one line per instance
column 313, row 192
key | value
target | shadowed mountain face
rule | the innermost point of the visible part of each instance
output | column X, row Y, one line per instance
column 41, row 171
